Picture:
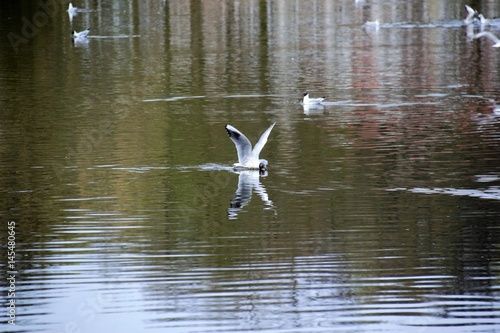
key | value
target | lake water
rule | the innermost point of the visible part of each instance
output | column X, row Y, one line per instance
column 380, row 211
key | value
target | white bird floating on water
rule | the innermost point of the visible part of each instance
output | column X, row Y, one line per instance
column 80, row 35
column 248, row 158
column 490, row 36
column 484, row 21
column 80, row 38
column 372, row 25
column 311, row 101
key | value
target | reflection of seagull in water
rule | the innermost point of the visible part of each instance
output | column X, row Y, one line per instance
column 490, row 36
column 311, row 101
column 248, row 182
column 313, row 108
column 248, row 158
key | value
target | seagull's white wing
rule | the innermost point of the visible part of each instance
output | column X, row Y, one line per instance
column 243, row 145
column 262, row 141
column 472, row 14
column 81, row 35
column 84, row 33
column 470, row 10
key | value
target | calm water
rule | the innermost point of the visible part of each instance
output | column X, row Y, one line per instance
column 380, row 211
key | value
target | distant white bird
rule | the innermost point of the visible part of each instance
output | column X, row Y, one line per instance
column 248, row 158
column 484, row 21
column 80, row 38
column 311, row 101
column 80, row 35
column 472, row 16
column 490, row 36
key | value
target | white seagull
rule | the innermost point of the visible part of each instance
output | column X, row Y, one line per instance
column 248, row 158
column 484, row 21
column 81, row 35
column 490, row 36
column 311, row 101
column 372, row 25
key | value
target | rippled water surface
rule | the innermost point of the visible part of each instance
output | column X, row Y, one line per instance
column 380, row 210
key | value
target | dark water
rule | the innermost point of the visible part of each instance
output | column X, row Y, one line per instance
column 380, row 210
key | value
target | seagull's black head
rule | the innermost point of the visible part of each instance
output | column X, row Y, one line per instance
column 305, row 94
column 262, row 170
